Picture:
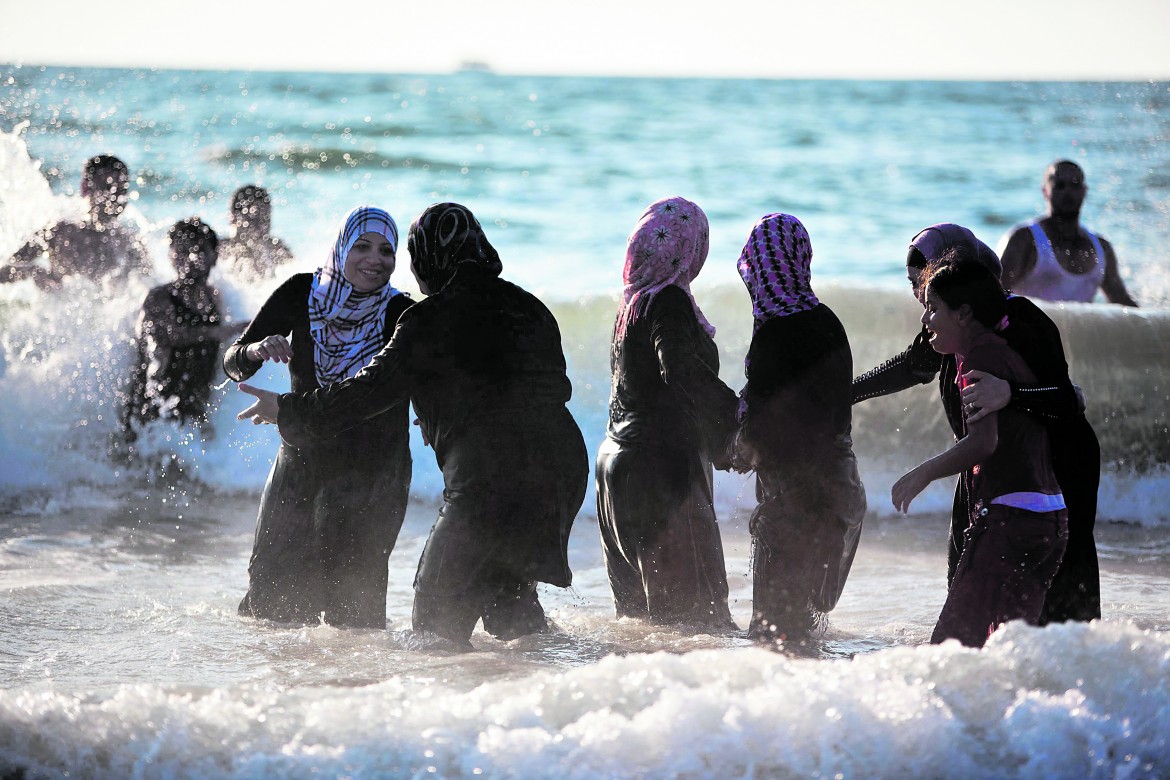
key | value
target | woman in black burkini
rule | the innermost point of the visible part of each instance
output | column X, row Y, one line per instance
column 481, row 361
column 1075, row 593
column 795, row 434
column 669, row 418
column 332, row 508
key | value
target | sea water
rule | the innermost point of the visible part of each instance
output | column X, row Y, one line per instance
column 120, row 651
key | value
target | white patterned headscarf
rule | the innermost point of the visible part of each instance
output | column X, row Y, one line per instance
column 348, row 328
column 775, row 267
column 667, row 247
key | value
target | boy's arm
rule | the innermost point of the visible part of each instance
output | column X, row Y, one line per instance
column 23, row 263
column 981, row 440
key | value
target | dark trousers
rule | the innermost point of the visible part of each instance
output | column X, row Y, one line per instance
column 464, row 575
column 1075, row 593
column 1008, row 562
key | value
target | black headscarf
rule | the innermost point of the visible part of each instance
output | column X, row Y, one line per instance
column 444, row 236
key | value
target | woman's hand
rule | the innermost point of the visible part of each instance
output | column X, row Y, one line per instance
column 266, row 408
column 426, row 441
column 984, row 394
column 274, row 348
column 741, row 455
column 907, row 487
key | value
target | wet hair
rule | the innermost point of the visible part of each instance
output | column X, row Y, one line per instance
column 248, row 195
column 961, row 280
column 99, row 164
column 1059, row 163
column 193, row 232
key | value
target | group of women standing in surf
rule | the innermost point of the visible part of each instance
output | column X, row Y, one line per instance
column 481, row 361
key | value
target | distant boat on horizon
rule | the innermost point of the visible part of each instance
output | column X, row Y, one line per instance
column 474, row 66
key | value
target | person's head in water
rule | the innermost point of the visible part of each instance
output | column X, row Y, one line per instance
column 105, row 183
column 250, row 213
column 931, row 243
column 443, row 237
column 1064, row 189
column 962, row 299
column 194, row 249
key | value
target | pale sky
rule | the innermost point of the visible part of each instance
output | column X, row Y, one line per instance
column 993, row 39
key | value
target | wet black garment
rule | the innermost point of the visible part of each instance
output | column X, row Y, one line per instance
column 807, row 525
column 669, row 417
column 169, row 380
column 332, row 509
column 482, row 363
column 1075, row 593
column 1009, row 558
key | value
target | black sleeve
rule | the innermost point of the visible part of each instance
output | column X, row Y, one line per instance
column 309, row 417
column 1034, row 335
column 700, row 393
column 917, row 365
column 276, row 317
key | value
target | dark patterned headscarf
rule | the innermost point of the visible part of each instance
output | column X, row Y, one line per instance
column 931, row 243
column 668, row 247
column 775, row 267
column 444, row 236
column 347, row 329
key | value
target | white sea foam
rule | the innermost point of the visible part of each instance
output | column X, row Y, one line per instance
column 1069, row 701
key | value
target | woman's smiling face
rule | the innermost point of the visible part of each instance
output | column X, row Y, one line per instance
column 370, row 262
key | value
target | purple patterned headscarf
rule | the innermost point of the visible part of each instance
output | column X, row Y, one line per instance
column 668, row 246
column 774, row 264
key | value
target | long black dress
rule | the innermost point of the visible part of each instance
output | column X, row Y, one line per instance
column 807, row 525
column 1075, row 593
column 669, row 417
column 332, row 509
column 481, row 361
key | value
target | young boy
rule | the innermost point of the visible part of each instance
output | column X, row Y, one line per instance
column 179, row 333
column 1019, row 526
column 98, row 245
column 252, row 252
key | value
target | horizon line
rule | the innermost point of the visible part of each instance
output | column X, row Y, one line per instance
column 482, row 68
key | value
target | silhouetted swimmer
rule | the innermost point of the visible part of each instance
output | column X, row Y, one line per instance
column 98, row 245
column 251, row 252
column 178, row 337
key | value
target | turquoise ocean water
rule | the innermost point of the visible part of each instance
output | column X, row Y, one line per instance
column 120, row 651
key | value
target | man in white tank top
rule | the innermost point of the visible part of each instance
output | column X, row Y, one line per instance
column 1055, row 258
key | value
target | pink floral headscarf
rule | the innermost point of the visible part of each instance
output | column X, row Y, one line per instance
column 775, row 266
column 668, row 246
